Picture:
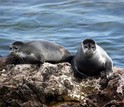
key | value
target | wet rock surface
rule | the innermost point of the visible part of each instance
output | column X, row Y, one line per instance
column 32, row 85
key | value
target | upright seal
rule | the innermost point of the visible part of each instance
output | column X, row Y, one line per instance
column 39, row 52
column 91, row 59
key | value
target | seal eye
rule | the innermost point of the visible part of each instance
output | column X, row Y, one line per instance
column 85, row 46
column 93, row 47
column 15, row 48
column 10, row 48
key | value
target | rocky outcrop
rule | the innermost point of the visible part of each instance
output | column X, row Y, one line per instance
column 33, row 85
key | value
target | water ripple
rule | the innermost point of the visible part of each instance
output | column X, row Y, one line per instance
column 67, row 22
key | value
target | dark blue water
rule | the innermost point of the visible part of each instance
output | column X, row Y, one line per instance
column 67, row 22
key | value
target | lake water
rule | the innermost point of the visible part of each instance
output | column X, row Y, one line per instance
column 66, row 22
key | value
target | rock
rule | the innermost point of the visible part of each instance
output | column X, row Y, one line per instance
column 32, row 85
column 2, row 63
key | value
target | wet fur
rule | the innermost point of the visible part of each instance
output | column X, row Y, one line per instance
column 92, row 64
column 40, row 52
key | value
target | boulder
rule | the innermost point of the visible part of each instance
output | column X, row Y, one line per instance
column 35, row 85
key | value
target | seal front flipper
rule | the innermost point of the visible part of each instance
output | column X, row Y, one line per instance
column 41, row 58
column 77, row 72
column 108, row 68
column 106, row 73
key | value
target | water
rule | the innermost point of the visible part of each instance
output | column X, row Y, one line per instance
column 66, row 22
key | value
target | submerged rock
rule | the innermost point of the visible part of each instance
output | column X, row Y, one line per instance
column 31, row 85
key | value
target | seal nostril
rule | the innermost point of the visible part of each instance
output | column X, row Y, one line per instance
column 12, row 52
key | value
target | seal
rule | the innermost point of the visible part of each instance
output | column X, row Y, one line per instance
column 91, row 60
column 39, row 52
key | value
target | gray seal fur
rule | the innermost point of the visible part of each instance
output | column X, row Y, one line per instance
column 91, row 59
column 39, row 52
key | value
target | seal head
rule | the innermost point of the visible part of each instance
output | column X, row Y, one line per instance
column 15, row 47
column 88, row 47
